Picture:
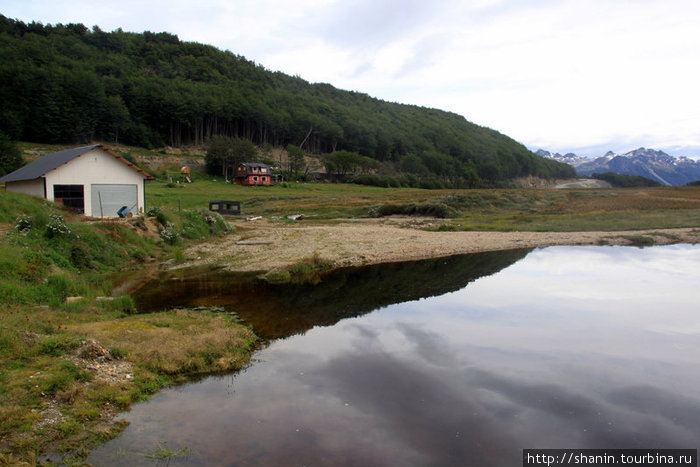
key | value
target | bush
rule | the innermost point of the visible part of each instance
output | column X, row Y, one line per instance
column 23, row 224
column 60, row 286
column 80, row 256
column 159, row 215
column 168, row 234
column 278, row 277
column 310, row 270
column 125, row 304
column 625, row 181
column 433, row 209
column 215, row 221
column 57, row 345
column 57, row 227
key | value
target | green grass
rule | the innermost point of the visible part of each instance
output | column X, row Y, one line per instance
column 308, row 271
column 323, row 200
column 36, row 344
column 12, row 205
column 495, row 209
column 49, row 255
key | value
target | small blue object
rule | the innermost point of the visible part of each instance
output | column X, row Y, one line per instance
column 123, row 211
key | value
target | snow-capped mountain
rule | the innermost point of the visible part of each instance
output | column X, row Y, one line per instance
column 568, row 158
column 649, row 163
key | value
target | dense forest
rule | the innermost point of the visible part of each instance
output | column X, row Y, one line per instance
column 70, row 84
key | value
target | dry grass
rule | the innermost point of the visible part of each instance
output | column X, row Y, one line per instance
column 179, row 342
column 482, row 209
column 60, row 393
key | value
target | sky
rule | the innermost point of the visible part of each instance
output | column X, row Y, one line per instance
column 582, row 76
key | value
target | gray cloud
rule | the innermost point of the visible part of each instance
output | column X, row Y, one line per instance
column 372, row 23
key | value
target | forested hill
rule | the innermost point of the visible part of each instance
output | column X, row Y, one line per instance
column 69, row 84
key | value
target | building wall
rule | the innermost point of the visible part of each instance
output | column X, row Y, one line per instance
column 95, row 167
column 251, row 180
column 28, row 187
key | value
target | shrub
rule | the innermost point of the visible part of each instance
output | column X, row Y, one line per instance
column 60, row 286
column 57, row 345
column 80, row 256
column 168, row 234
column 278, row 277
column 215, row 221
column 310, row 270
column 57, row 227
column 159, row 215
column 118, row 353
column 23, row 224
column 125, row 304
column 440, row 210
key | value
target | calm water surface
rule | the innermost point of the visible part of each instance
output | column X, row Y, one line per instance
column 595, row 347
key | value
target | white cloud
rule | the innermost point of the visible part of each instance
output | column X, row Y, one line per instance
column 560, row 74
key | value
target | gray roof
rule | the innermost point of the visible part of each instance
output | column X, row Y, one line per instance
column 49, row 162
column 254, row 164
column 46, row 164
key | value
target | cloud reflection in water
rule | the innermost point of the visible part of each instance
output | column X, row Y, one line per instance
column 593, row 347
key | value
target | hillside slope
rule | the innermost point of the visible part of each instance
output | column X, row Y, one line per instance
column 69, row 84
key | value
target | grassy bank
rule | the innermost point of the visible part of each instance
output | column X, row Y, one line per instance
column 71, row 355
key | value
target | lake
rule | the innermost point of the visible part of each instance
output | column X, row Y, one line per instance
column 457, row 361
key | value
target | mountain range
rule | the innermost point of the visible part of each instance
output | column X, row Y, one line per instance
column 649, row 163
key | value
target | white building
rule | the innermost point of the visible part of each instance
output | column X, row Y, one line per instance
column 91, row 180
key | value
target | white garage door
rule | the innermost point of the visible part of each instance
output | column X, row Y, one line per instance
column 107, row 199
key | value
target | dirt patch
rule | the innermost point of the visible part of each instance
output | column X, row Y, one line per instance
column 265, row 246
column 95, row 358
column 585, row 183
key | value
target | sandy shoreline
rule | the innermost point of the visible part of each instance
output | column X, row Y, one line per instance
column 263, row 246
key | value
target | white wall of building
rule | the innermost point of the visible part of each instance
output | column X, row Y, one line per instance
column 28, row 187
column 96, row 167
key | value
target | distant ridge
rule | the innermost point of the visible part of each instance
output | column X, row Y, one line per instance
column 643, row 162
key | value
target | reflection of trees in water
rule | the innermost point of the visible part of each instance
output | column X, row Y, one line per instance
column 278, row 311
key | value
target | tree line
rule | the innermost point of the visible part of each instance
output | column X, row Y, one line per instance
column 625, row 181
column 70, row 84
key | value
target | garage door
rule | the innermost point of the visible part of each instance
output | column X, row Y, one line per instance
column 107, row 199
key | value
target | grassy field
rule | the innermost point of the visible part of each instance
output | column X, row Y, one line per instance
column 492, row 209
column 497, row 209
column 71, row 355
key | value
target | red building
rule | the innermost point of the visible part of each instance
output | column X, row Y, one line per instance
column 252, row 173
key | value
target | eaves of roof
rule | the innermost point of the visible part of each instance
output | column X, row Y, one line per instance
column 49, row 162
